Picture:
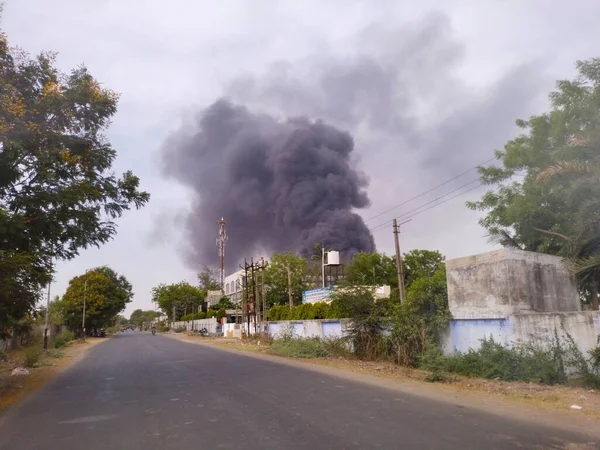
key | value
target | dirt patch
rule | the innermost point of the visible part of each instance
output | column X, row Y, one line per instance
column 550, row 398
column 52, row 362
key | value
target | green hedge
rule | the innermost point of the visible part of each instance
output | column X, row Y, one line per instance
column 307, row 311
column 196, row 316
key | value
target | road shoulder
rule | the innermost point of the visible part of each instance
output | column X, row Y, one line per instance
column 469, row 395
column 16, row 388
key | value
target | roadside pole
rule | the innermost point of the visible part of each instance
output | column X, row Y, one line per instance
column 47, row 309
column 399, row 272
column 84, row 295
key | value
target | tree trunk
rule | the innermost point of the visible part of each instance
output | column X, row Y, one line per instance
column 595, row 295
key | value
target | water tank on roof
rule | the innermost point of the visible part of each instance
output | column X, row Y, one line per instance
column 333, row 258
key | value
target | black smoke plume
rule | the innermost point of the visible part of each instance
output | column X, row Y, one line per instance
column 280, row 185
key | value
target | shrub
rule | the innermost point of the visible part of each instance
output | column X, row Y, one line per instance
column 3, row 355
column 32, row 355
column 524, row 362
column 64, row 337
column 211, row 313
column 162, row 327
column 300, row 348
column 179, row 329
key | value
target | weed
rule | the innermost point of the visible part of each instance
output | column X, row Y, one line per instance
column 63, row 338
column 300, row 348
column 32, row 355
column 3, row 356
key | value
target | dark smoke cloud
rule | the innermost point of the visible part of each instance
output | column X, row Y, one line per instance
column 280, row 185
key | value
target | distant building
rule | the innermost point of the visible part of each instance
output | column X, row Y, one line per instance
column 213, row 297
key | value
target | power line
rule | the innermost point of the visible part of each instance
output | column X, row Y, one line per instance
column 381, row 227
column 432, row 189
column 425, row 204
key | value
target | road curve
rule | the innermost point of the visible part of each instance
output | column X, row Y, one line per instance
column 138, row 391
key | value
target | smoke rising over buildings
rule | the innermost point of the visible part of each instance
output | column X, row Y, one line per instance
column 281, row 185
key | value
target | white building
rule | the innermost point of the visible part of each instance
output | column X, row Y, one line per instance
column 234, row 285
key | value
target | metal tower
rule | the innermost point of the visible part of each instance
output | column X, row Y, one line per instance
column 221, row 240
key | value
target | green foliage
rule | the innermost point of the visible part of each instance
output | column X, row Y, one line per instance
column 420, row 264
column 211, row 313
column 207, row 279
column 106, row 294
column 553, row 206
column 221, row 313
column 182, row 296
column 196, row 316
column 276, row 278
column 306, row 311
column 63, row 338
column 224, row 303
column 58, row 191
column 554, row 363
column 300, row 348
column 372, row 269
column 32, row 355
column 138, row 317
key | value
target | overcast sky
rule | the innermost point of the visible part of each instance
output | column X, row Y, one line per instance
column 428, row 89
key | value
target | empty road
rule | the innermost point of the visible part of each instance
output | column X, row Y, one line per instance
column 138, row 391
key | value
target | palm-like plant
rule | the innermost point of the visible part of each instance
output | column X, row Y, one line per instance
column 582, row 178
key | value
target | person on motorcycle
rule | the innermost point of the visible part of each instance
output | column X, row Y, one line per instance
column 153, row 327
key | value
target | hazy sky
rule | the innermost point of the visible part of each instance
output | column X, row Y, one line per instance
column 428, row 89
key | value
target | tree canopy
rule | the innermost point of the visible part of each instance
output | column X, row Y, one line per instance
column 182, row 296
column 546, row 194
column 372, row 269
column 138, row 317
column 208, row 280
column 58, row 193
column 106, row 295
column 276, row 278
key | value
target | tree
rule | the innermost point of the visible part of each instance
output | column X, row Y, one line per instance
column 58, row 193
column 182, row 296
column 276, row 278
column 546, row 196
column 372, row 269
column 207, row 279
column 106, row 295
column 419, row 264
column 139, row 317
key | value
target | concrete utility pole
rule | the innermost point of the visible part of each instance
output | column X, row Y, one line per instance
column 47, row 311
column 84, row 295
column 399, row 262
column 290, row 293
column 323, row 265
column 262, row 286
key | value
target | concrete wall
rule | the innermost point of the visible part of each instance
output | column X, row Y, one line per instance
column 505, row 282
column 539, row 329
column 212, row 325
column 323, row 329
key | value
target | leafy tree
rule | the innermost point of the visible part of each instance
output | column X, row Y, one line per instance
column 418, row 264
column 182, row 296
column 372, row 269
column 58, row 193
column 225, row 303
column 276, row 278
column 208, row 279
column 139, row 317
column 547, row 189
column 106, row 294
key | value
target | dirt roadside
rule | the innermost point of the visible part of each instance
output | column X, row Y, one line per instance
column 53, row 362
column 550, row 405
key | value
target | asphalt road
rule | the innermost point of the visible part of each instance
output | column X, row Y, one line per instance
column 138, row 391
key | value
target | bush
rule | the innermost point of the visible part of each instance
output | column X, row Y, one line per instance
column 3, row 356
column 32, row 355
column 63, row 338
column 162, row 327
column 300, row 348
column 179, row 329
column 306, row 311
column 524, row 362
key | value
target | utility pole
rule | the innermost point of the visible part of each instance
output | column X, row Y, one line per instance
column 84, row 295
column 262, row 283
column 47, row 309
column 399, row 262
column 323, row 265
column 290, row 294
column 244, row 294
